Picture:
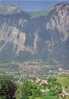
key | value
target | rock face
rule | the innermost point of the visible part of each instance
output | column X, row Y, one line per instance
column 59, row 20
column 45, row 37
column 12, row 21
column 58, row 23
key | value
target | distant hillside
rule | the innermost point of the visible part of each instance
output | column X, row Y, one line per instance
column 38, row 13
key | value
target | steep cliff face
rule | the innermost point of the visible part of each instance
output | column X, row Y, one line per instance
column 58, row 23
column 44, row 37
column 58, row 20
column 12, row 21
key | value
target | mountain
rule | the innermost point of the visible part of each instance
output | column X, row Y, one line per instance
column 24, row 38
column 52, row 33
column 12, row 20
column 58, row 23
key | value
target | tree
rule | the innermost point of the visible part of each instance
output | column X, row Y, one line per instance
column 55, row 88
column 7, row 87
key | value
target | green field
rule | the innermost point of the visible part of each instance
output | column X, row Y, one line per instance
column 64, row 80
column 46, row 97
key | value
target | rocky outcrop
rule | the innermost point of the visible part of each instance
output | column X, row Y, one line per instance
column 58, row 20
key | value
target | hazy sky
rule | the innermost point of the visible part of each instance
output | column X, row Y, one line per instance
column 31, row 5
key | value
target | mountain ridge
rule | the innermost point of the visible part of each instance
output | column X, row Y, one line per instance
column 23, row 37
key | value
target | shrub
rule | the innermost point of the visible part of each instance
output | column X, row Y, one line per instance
column 26, row 89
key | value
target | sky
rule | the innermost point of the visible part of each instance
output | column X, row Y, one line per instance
column 31, row 5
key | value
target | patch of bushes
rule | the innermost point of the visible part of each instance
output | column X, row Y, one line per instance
column 27, row 89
